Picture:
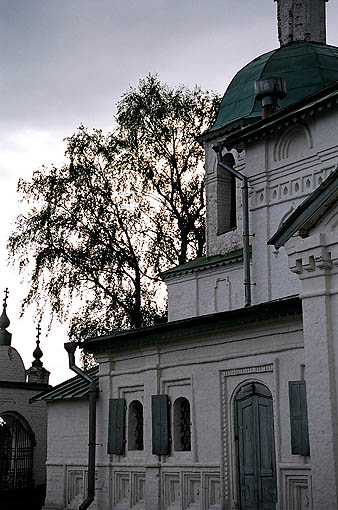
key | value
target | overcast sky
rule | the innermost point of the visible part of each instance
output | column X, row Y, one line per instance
column 66, row 62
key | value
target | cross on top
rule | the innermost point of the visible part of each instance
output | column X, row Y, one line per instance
column 38, row 329
column 5, row 298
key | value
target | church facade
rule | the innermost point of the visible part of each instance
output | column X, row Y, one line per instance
column 233, row 403
column 23, row 426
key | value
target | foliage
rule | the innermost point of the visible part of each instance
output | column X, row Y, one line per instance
column 125, row 205
column 160, row 125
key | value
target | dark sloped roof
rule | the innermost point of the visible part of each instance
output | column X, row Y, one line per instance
column 72, row 388
column 309, row 211
column 327, row 97
column 205, row 263
column 307, row 67
column 195, row 326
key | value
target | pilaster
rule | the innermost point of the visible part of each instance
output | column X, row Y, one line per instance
column 315, row 261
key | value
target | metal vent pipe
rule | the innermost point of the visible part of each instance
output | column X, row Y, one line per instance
column 270, row 91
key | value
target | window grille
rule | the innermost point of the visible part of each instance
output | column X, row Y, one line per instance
column 182, row 425
column 135, row 426
column 16, row 454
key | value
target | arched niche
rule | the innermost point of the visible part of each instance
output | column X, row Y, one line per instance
column 293, row 143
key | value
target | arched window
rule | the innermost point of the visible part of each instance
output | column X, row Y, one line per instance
column 182, row 425
column 16, row 452
column 226, row 197
column 135, row 425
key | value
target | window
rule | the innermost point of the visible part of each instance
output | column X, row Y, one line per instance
column 182, row 425
column 298, row 418
column 135, row 425
column 226, row 197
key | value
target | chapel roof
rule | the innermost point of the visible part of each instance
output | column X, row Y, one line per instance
column 307, row 67
column 76, row 387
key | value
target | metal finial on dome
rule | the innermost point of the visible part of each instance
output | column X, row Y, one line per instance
column 37, row 352
column 6, row 291
column 4, row 320
column 5, row 336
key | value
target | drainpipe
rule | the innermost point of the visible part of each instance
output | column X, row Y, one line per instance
column 245, row 200
column 71, row 348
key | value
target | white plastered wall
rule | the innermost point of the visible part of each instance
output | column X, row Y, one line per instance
column 207, row 371
column 67, row 454
column 283, row 168
column 315, row 261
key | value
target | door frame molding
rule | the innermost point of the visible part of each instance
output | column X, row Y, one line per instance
column 231, row 381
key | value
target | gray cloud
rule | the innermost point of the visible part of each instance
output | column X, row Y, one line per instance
column 64, row 62
column 68, row 61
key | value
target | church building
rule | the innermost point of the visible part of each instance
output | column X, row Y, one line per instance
column 232, row 404
column 23, row 426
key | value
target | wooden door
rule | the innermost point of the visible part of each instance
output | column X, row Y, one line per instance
column 256, row 448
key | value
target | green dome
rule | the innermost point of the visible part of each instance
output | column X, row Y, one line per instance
column 306, row 67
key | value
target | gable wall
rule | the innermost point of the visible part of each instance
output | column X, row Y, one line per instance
column 67, row 454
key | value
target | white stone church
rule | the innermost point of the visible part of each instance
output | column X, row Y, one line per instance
column 233, row 403
column 23, row 426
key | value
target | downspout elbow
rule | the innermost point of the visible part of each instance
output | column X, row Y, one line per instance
column 71, row 348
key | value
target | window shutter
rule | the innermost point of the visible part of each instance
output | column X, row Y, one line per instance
column 116, row 425
column 160, row 424
column 298, row 418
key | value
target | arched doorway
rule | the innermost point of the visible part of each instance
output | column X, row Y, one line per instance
column 16, row 453
column 255, row 448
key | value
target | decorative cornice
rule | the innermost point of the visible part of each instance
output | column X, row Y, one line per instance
column 248, row 370
column 315, row 256
column 308, row 212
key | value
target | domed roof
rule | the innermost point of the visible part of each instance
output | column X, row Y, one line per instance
column 11, row 365
column 306, row 67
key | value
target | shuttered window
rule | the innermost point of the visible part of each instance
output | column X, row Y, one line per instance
column 160, row 424
column 298, row 418
column 116, row 426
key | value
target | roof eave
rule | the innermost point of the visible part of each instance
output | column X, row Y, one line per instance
column 232, row 257
column 309, row 211
column 301, row 109
column 181, row 330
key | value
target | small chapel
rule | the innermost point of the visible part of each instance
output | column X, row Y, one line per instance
column 233, row 403
column 23, row 426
